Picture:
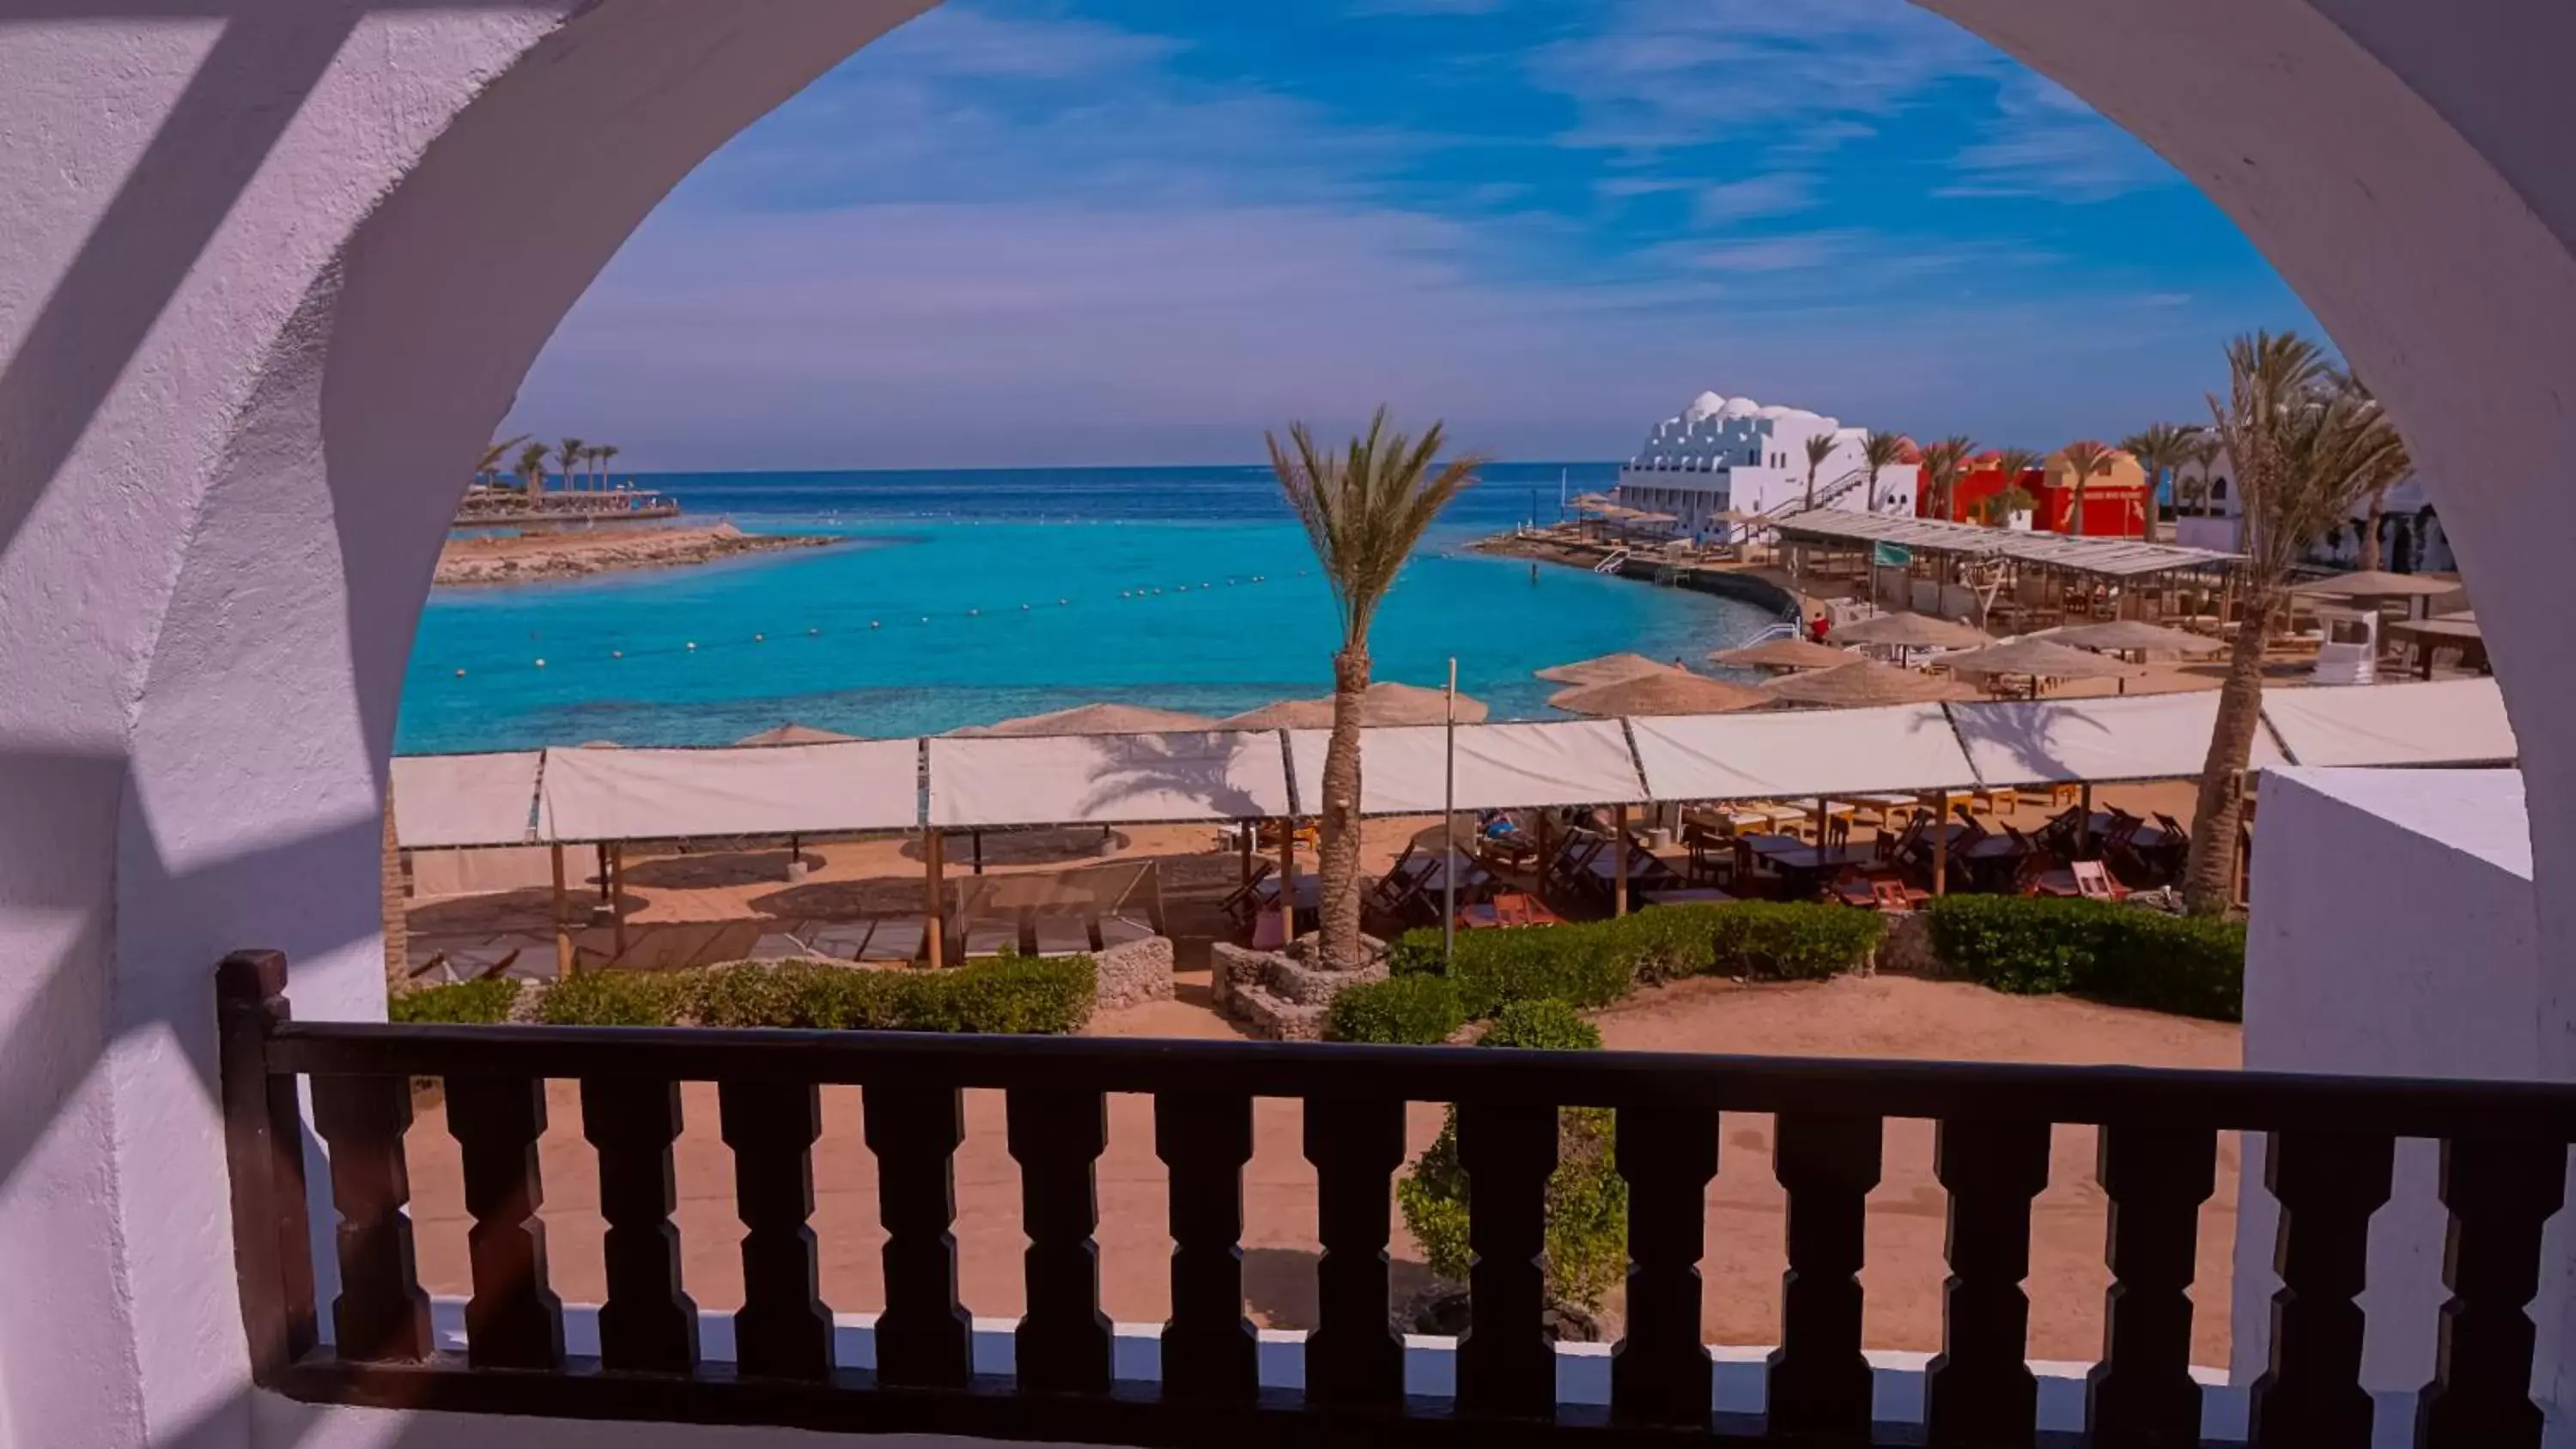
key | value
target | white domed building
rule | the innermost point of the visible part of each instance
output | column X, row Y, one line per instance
column 1734, row 455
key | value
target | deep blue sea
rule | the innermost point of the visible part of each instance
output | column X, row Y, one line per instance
column 963, row 597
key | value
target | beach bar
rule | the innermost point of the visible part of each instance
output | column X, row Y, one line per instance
column 2007, row 578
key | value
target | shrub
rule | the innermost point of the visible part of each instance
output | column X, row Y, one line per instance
column 1006, row 994
column 1585, row 1251
column 1541, row 1026
column 614, row 998
column 2126, row 955
column 473, row 1003
column 1594, row 963
column 1792, row 941
column 1401, row 1010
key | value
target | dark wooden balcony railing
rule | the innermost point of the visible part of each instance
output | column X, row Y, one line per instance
column 2503, row 1162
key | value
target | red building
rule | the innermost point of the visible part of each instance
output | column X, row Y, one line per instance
column 2115, row 504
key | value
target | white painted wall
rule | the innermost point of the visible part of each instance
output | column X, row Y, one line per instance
column 270, row 271
column 2394, row 934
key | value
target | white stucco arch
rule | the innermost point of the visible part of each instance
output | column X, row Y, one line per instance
column 271, row 269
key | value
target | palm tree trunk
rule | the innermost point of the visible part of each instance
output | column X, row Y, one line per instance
column 2209, row 881
column 2370, row 530
column 1337, row 862
column 2075, row 519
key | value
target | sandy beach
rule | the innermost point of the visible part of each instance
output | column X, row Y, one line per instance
column 519, row 558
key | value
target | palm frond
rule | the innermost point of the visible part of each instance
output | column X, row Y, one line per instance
column 1365, row 510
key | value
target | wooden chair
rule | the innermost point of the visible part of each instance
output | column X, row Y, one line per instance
column 1242, row 900
column 2093, row 881
column 1838, row 831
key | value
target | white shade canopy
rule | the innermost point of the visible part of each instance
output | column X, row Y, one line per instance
column 2123, row 737
column 454, row 800
column 1500, row 766
column 1795, row 756
column 1105, row 779
column 2448, row 722
column 760, row 790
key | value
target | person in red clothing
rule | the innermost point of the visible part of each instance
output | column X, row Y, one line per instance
column 1819, row 626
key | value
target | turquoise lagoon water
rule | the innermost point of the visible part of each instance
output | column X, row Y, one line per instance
column 965, row 597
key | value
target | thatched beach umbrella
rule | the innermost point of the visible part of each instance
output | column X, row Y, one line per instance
column 1867, row 682
column 2132, row 636
column 1097, row 719
column 2377, row 584
column 1666, row 691
column 1913, row 631
column 1607, row 669
column 1786, row 652
column 792, row 733
column 2040, row 659
column 1385, row 703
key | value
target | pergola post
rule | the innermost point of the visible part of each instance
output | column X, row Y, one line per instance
column 1287, row 879
column 563, row 928
column 1619, row 861
column 1243, row 840
column 1940, row 842
column 617, row 895
column 934, row 847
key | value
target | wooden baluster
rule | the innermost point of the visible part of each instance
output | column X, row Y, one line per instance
column 1505, row 1363
column 1063, row 1340
column 2142, row 1393
column 1209, row 1348
column 513, row 1320
column 782, row 1329
column 1979, row 1389
column 1353, row 1357
column 1660, row 1373
column 2328, row 1185
column 648, row 1324
column 2500, row 1192
column 381, row 1316
column 264, row 1148
column 924, row 1337
column 1819, row 1382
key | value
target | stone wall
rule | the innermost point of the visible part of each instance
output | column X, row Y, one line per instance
column 1134, row 973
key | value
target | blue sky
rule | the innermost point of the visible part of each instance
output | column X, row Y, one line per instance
column 1019, row 232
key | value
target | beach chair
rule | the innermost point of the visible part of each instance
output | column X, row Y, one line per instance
column 1394, row 887
column 2093, row 881
column 1901, row 845
column 840, row 940
column 1122, row 929
column 1838, row 832
column 1243, row 899
column 1896, row 895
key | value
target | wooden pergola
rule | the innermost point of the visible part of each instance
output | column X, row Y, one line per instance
column 2013, row 577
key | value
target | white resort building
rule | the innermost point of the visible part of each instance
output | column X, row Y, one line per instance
column 1734, row 455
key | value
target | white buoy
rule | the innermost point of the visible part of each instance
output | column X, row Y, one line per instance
column 873, row 624
column 460, row 674
column 1060, row 603
column 541, row 664
column 692, row 644
column 1024, row 608
column 759, row 638
column 974, row 613
column 616, row 653
column 813, row 633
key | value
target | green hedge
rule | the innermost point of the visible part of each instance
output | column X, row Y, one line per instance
column 1594, row 963
column 1399, row 1011
column 1585, row 1250
column 2126, row 955
column 1002, row 994
column 471, row 1003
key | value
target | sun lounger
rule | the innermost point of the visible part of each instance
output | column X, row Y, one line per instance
column 896, row 938
column 1122, row 930
column 841, row 940
column 1062, row 933
column 779, row 946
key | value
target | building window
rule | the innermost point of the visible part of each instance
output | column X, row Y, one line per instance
column 2218, row 489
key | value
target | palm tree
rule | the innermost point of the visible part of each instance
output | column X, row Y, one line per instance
column 1364, row 510
column 2015, row 464
column 1944, row 464
column 490, row 462
column 569, row 454
column 2157, row 447
column 1820, row 446
column 2205, row 448
column 2307, row 445
column 1879, row 451
column 532, row 469
column 2086, row 460
column 2000, row 507
column 2377, row 507
column 606, row 453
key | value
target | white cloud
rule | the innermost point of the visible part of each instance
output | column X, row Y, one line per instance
column 2043, row 141
column 1777, row 194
